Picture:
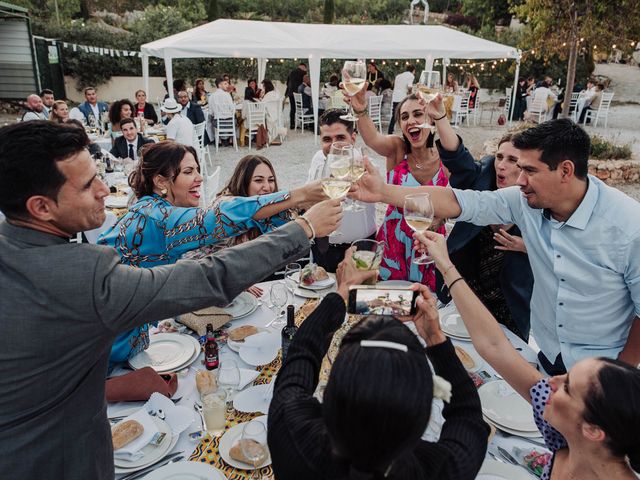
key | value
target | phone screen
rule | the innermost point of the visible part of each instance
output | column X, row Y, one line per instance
column 367, row 300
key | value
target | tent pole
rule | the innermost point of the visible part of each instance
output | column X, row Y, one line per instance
column 262, row 68
column 444, row 71
column 168, row 68
column 145, row 73
column 314, row 76
column 515, row 88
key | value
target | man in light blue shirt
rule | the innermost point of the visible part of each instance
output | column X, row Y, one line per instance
column 582, row 237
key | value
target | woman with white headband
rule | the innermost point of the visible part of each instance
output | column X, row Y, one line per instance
column 377, row 401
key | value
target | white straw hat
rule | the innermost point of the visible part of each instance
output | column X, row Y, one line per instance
column 171, row 106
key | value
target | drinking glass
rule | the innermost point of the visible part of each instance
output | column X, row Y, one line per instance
column 368, row 256
column 335, row 188
column 419, row 213
column 229, row 378
column 354, row 75
column 292, row 276
column 357, row 171
column 253, row 443
column 214, row 411
column 279, row 296
column 338, row 163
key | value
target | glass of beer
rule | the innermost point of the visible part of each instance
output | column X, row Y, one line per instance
column 368, row 256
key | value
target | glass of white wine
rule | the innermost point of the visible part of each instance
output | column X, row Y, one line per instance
column 357, row 171
column 339, row 164
column 354, row 75
column 335, row 188
column 419, row 214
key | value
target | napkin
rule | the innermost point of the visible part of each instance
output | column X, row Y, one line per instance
column 132, row 451
column 178, row 418
column 246, row 377
column 139, row 385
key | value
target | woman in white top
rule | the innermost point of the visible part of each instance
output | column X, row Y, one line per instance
column 179, row 128
column 272, row 106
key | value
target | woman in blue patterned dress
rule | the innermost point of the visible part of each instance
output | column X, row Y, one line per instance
column 166, row 221
column 589, row 418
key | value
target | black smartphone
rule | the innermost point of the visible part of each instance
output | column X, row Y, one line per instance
column 378, row 300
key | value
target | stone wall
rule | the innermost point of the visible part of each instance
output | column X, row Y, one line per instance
column 616, row 172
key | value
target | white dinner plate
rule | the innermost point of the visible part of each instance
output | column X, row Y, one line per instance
column 319, row 285
column 186, row 471
column 253, row 399
column 197, row 350
column 452, row 324
column 243, row 305
column 236, row 344
column 230, row 438
column 510, row 431
column 503, row 406
column 121, row 470
column 113, row 201
column 305, row 293
column 151, row 453
column 166, row 352
column 260, row 349
column 494, row 470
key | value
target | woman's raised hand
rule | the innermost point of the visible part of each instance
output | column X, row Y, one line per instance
column 369, row 187
column 426, row 319
column 436, row 245
column 435, row 108
column 359, row 101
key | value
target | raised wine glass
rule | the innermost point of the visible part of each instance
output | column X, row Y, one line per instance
column 419, row 214
column 354, row 76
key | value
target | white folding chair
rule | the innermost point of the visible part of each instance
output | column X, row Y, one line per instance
column 375, row 110
column 538, row 108
column 224, row 123
column 302, row 118
column 573, row 105
column 602, row 111
column 255, row 117
column 210, row 185
column 460, row 108
column 203, row 150
column 475, row 111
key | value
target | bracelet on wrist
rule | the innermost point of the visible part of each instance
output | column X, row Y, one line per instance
column 308, row 222
column 360, row 113
column 440, row 118
column 450, row 286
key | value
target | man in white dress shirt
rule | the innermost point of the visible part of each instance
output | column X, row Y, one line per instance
column 401, row 86
column 179, row 128
column 356, row 225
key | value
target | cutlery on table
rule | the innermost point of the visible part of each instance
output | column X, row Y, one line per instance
column 540, row 443
column 509, row 458
column 173, row 458
column 198, row 408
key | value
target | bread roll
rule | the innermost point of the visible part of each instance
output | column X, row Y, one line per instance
column 240, row 333
column 237, row 453
column 125, row 432
column 465, row 358
column 205, row 382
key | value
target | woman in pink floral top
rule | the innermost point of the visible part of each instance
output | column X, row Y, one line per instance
column 589, row 418
column 412, row 160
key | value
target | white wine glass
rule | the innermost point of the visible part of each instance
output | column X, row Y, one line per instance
column 279, row 297
column 253, row 443
column 292, row 276
column 354, row 76
column 357, row 171
column 338, row 163
column 419, row 214
column 229, row 378
column 335, row 188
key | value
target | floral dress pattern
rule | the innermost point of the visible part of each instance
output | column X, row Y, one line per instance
column 397, row 235
column 154, row 232
column 540, row 393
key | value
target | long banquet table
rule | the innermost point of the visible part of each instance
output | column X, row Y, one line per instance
column 205, row 449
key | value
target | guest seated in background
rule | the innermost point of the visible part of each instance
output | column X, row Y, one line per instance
column 190, row 110
column 273, row 109
column 590, row 423
column 231, row 88
column 144, row 109
column 412, row 160
column 119, row 110
column 252, row 93
column 221, row 97
column 593, row 103
column 91, row 108
column 165, row 221
column 305, row 90
column 451, row 85
column 473, row 86
column 377, row 402
column 34, row 109
column 357, row 224
column 179, row 128
column 384, row 87
column 130, row 143
column 48, row 98
column 493, row 259
column 546, row 97
column 59, row 112
column 200, row 95
column 326, row 93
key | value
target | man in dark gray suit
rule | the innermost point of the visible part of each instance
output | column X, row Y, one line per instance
column 62, row 304
column 130, row 143
column 190, row 109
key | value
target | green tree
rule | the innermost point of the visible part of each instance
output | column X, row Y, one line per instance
column 564, row 27
column 489, row 12
column 213, row 12
column 329, row 11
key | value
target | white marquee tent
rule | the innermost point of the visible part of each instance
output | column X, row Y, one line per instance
column 313, row 42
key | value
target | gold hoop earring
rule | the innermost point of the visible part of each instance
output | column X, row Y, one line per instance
column 163, row 193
